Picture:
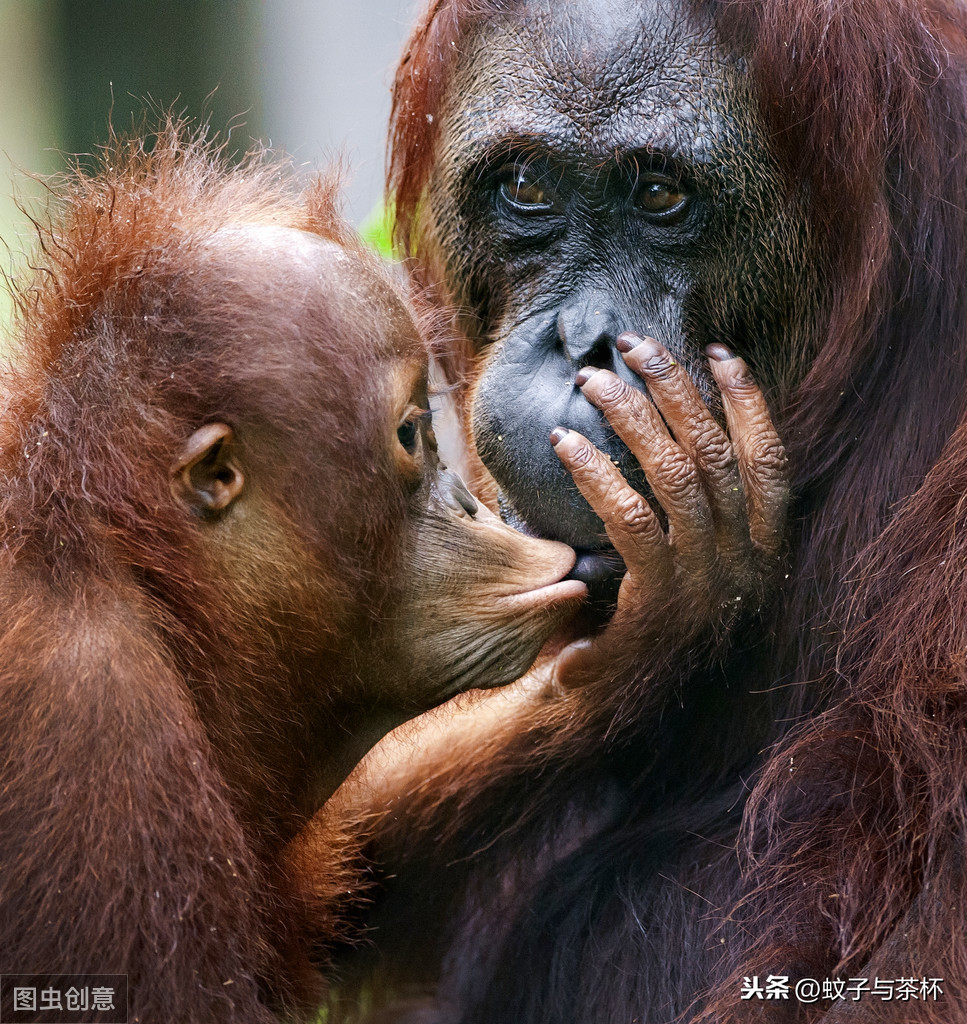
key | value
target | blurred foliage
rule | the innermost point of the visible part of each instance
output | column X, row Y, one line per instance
column 377, row 230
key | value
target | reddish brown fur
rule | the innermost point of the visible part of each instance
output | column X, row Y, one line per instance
column 866, row 102
column 181, row 688
column 122, row 848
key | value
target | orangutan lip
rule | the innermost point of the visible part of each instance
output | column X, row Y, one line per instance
column 596, row 566
column 563, row 591
column 600, row 569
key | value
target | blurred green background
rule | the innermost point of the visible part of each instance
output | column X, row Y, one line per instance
column 307, row 76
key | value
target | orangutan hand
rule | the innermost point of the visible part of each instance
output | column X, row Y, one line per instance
column 724, row 494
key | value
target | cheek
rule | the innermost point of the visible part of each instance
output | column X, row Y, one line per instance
column 513, row 416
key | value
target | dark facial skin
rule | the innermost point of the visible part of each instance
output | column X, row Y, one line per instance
column 581, row 190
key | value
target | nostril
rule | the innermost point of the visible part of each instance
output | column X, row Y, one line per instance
column 587, row 328
column 456, row 494
column 467, row 502
column 600, row 355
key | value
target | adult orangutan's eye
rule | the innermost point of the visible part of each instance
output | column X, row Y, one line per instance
column 661, row 197
column 524, row 192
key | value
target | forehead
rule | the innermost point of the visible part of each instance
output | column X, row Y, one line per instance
column 603, row 75
column 289, row 276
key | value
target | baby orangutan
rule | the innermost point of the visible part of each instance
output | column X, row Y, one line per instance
column 230, row 562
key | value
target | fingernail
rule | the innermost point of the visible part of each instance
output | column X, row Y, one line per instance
column 647, row 348
column 719, row 352
column 627, row 341
column 584, row 375
column 558, row 434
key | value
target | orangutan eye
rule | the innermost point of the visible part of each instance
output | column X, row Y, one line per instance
column 408, row 432
column 661, row 197
column 523, row 192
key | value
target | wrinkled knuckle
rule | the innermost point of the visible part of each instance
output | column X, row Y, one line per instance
column 714, row 451
column 582, row 456
column 610, row 388
column 677, row 472
column 740, row 380
column 768, row 456
column 634, row 515
column 662, row 368
column 615, row 395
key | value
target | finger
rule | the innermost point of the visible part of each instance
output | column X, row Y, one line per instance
column 632, row 526
column 696, row 431
column 671, row 473
column 762, row 461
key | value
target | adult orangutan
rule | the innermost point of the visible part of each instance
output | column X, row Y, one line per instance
column 229, row 561
column 758, row 766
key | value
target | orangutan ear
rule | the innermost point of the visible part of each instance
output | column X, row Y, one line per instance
column 206, row 475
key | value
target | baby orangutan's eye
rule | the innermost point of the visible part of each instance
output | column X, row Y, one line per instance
column 408, row 432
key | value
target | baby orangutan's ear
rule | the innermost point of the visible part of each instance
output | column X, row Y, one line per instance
column 206, row 475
